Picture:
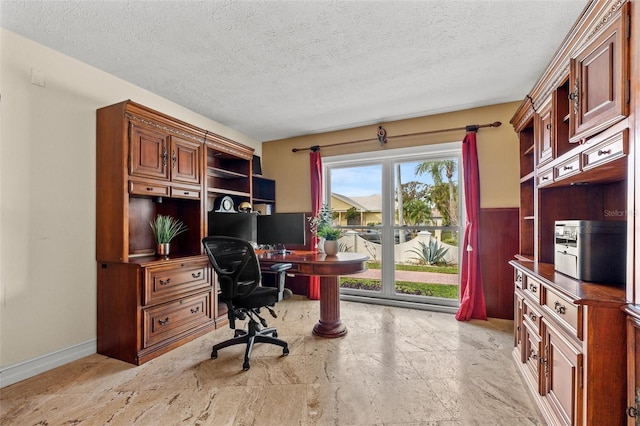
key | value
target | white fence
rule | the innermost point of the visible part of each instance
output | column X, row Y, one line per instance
column 403, row 252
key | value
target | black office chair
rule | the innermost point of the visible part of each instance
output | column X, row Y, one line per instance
column 238, row 270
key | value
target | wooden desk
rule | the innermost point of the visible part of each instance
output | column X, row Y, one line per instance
column 328, row 268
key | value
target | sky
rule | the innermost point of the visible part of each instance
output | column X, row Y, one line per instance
column 363, row 181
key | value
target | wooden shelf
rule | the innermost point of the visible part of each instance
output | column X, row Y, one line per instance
column 528, row 151
column 228, row 192
column 225, row 174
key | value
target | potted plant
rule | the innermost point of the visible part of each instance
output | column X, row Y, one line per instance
column 166, row 228
column 321, row 227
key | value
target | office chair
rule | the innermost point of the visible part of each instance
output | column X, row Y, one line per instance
column 238, row 270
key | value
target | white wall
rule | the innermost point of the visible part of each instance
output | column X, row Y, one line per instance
column 48, row 195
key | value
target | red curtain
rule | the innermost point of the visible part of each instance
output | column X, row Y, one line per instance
column 315, row 163
column 472, row 304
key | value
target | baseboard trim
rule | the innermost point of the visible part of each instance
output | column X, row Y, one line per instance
column 23, row 370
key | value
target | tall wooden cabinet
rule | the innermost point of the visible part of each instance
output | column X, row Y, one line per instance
column 574, row 341
column 149, row 163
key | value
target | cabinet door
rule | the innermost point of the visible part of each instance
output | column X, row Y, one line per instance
column 600, row 79
column 185, row 161
column 544, row 134
column 633, row 371
column 148, row 152
column 562, row 366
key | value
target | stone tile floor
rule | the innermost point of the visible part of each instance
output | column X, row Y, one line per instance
column 395, row 366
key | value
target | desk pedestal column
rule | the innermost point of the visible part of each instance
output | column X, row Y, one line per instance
column 330, row 324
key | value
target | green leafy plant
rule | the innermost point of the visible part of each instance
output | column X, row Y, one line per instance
column 430, row 254
column 166, row 228
column 328, row 232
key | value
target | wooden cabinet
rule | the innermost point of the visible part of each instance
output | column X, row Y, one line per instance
column 633, row 366
column 569, row 345
column 600, row 76
column 264, row 195
column 544, row 132
column 149, row 163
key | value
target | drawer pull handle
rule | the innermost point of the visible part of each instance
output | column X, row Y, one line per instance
column 164, row 322
column 173, row 159
column 533, row 317
column 198, row 275
column 548, row 126
column 604, row 152
column 567, row 168
column 545, row 177
column 196, row 310
column 633, row 412
column 533, row 355
column 149, row 188
column 186, row 192
column 165, row 282
column 534, row 288
column 559, row 308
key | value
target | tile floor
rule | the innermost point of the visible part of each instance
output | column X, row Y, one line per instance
column 394, row 367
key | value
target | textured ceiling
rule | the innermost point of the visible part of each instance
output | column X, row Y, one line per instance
column 275, row 69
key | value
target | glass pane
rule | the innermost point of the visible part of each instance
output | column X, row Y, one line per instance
column 356, row 205
column 426, row 232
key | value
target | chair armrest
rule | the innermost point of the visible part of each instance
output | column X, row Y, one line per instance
column 280, row 269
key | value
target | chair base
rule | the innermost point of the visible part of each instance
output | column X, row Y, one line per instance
column 253, row 335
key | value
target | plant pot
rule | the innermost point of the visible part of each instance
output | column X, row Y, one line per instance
column 320, row 245
column 331, row 247
column 162, row 249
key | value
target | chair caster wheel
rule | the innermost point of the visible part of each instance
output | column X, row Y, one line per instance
column 214, row 354
column 246, row 366
column 285, row 351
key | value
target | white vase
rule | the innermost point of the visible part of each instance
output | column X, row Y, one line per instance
column 320, row 245
column 331, row 247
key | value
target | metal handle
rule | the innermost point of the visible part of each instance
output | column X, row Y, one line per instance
column 165, row 282
column 533, row 317
column 633, row 412
column 533, row 355
column 196, row 310
column 173, row 159
column 164, row 322
column 198, row 275
column 165, row 156
column 604, row 152
column 149, row 188
column 567, row 168
column 545, row 177
column 559, row 308
column 574, row 97
column 533, row 288
column 548, row 126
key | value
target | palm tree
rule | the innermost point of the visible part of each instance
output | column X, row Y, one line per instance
column 436, row 169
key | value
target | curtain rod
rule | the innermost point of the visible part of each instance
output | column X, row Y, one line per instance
column 382, row 137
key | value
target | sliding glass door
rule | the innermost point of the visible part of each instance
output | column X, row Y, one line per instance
column 401, row 208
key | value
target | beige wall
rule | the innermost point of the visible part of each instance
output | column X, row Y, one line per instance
column 48, row 195
column 497, row 151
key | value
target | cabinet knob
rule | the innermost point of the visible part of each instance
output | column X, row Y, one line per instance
column 559, row 308
column 533, row 288
column 533, row 317
column 548, row 126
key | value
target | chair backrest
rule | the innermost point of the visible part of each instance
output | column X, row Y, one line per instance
column 236, row 264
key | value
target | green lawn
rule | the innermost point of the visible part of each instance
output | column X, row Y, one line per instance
column 450, row 269
column 421, row 289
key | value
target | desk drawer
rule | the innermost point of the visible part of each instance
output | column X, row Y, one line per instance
column 168, row 282
column 532, row 288
column 563, row 310
column 165, row 321
column 145, row 188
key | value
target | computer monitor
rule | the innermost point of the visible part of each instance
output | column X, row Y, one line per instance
column 239, row 225
column 282, row 229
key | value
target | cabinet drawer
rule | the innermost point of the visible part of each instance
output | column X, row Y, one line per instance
column 531, row 314
column 168, row 282
column 165, row 321
column 563, row 310
column 188, row 193
column 567, row 168
column 518, row 278
column 144, row 188
column 608, row 150
column 545, row 177
column 532, row 288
